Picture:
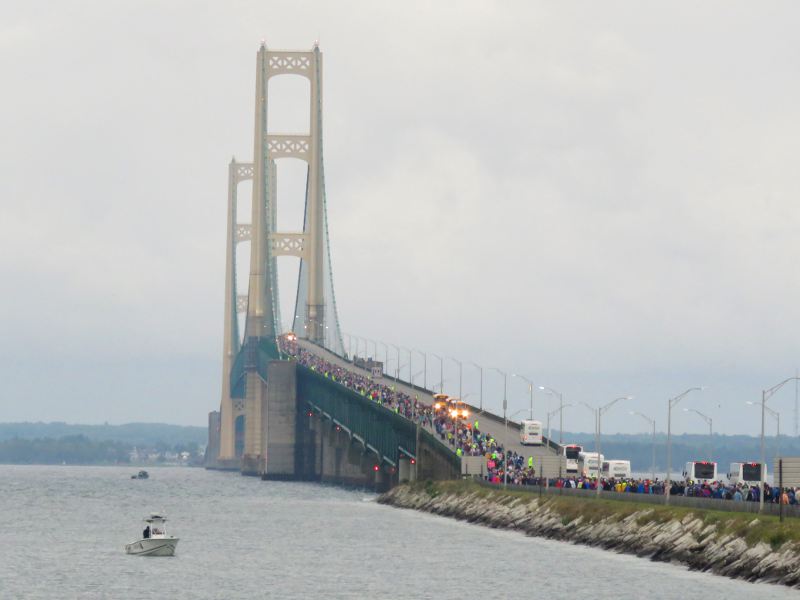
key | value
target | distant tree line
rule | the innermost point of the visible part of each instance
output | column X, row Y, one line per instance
column 139, row 443
column 71, row 449
column 137, row 434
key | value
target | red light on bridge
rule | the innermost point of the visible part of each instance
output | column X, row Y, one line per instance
column 376, row 468
column 413, row 461
column 310, row 414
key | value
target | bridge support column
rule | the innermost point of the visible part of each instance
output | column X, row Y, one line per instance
column 279, row 416
column 404, row 469
column 253, row 458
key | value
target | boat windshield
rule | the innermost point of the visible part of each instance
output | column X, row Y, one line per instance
column 157, row 525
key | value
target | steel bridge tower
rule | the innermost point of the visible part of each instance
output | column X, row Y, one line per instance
column 315, row 317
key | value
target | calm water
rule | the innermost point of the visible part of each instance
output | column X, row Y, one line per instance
column 63, row 530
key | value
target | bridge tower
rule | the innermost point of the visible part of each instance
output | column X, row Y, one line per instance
column 231, row 409
column 315, row 317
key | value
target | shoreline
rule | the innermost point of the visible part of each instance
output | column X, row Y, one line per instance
column 755, row 548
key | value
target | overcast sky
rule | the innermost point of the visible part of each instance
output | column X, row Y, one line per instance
column 599, row 196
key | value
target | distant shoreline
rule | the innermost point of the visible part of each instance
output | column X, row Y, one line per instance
column 136, row 444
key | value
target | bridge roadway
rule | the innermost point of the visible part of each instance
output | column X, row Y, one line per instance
column 488, row 422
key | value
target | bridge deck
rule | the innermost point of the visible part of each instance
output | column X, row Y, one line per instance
column 508, row 436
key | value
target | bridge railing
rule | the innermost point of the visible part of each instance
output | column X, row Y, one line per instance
column 378, row 428
column 555, row 446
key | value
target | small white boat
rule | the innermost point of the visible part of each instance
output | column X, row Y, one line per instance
column 155, row 541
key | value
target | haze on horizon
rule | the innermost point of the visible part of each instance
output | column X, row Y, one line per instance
column 599, row 197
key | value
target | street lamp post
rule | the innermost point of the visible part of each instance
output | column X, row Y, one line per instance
column 530, row 389
column 385, row 355
column 672, row 402
column 424, row 368
column 397, row 369
column 480, row 397
column 560, row 397
column 600, row 412
column 709, row 421
column 414, row 376
column 777, row 416
column 653, row 423
column 766, row 395
column 374, row 347
column 596, row 443
column 505, row 389
column 441, row 372
column 551, row 413
column 410, row 359
column 460, row 373
column 349, row 343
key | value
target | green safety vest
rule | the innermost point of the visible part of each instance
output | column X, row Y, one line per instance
column 476, row 424
column 530, row 461
column 458, row 452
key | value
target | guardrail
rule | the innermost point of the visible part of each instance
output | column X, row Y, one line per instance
column 682, row 501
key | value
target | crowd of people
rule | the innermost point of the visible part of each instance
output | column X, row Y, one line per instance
column 718, row 490
column 449, row 420
column 455, row 427
column 385, row 395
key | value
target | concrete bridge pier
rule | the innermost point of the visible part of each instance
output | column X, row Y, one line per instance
column 406, row 470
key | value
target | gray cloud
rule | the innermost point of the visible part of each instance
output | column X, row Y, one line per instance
column 601, row 198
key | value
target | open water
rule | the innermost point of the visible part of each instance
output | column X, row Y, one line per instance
column 63, row 530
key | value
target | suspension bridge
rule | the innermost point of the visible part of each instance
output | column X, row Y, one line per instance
column 280, row 418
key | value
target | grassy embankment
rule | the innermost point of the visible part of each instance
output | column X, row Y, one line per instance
column 750, row 527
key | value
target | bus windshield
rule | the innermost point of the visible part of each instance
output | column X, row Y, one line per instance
column 572, row 452
column 751, row 472
column 704, row 470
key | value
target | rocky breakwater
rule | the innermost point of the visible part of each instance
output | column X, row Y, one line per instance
column 737, row 545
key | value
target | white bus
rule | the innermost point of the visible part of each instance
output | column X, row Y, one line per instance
column 618, row 469
column 588, row 464
column 572, row 453
column 746, row 472
column 700, row 471
column 530, row 433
